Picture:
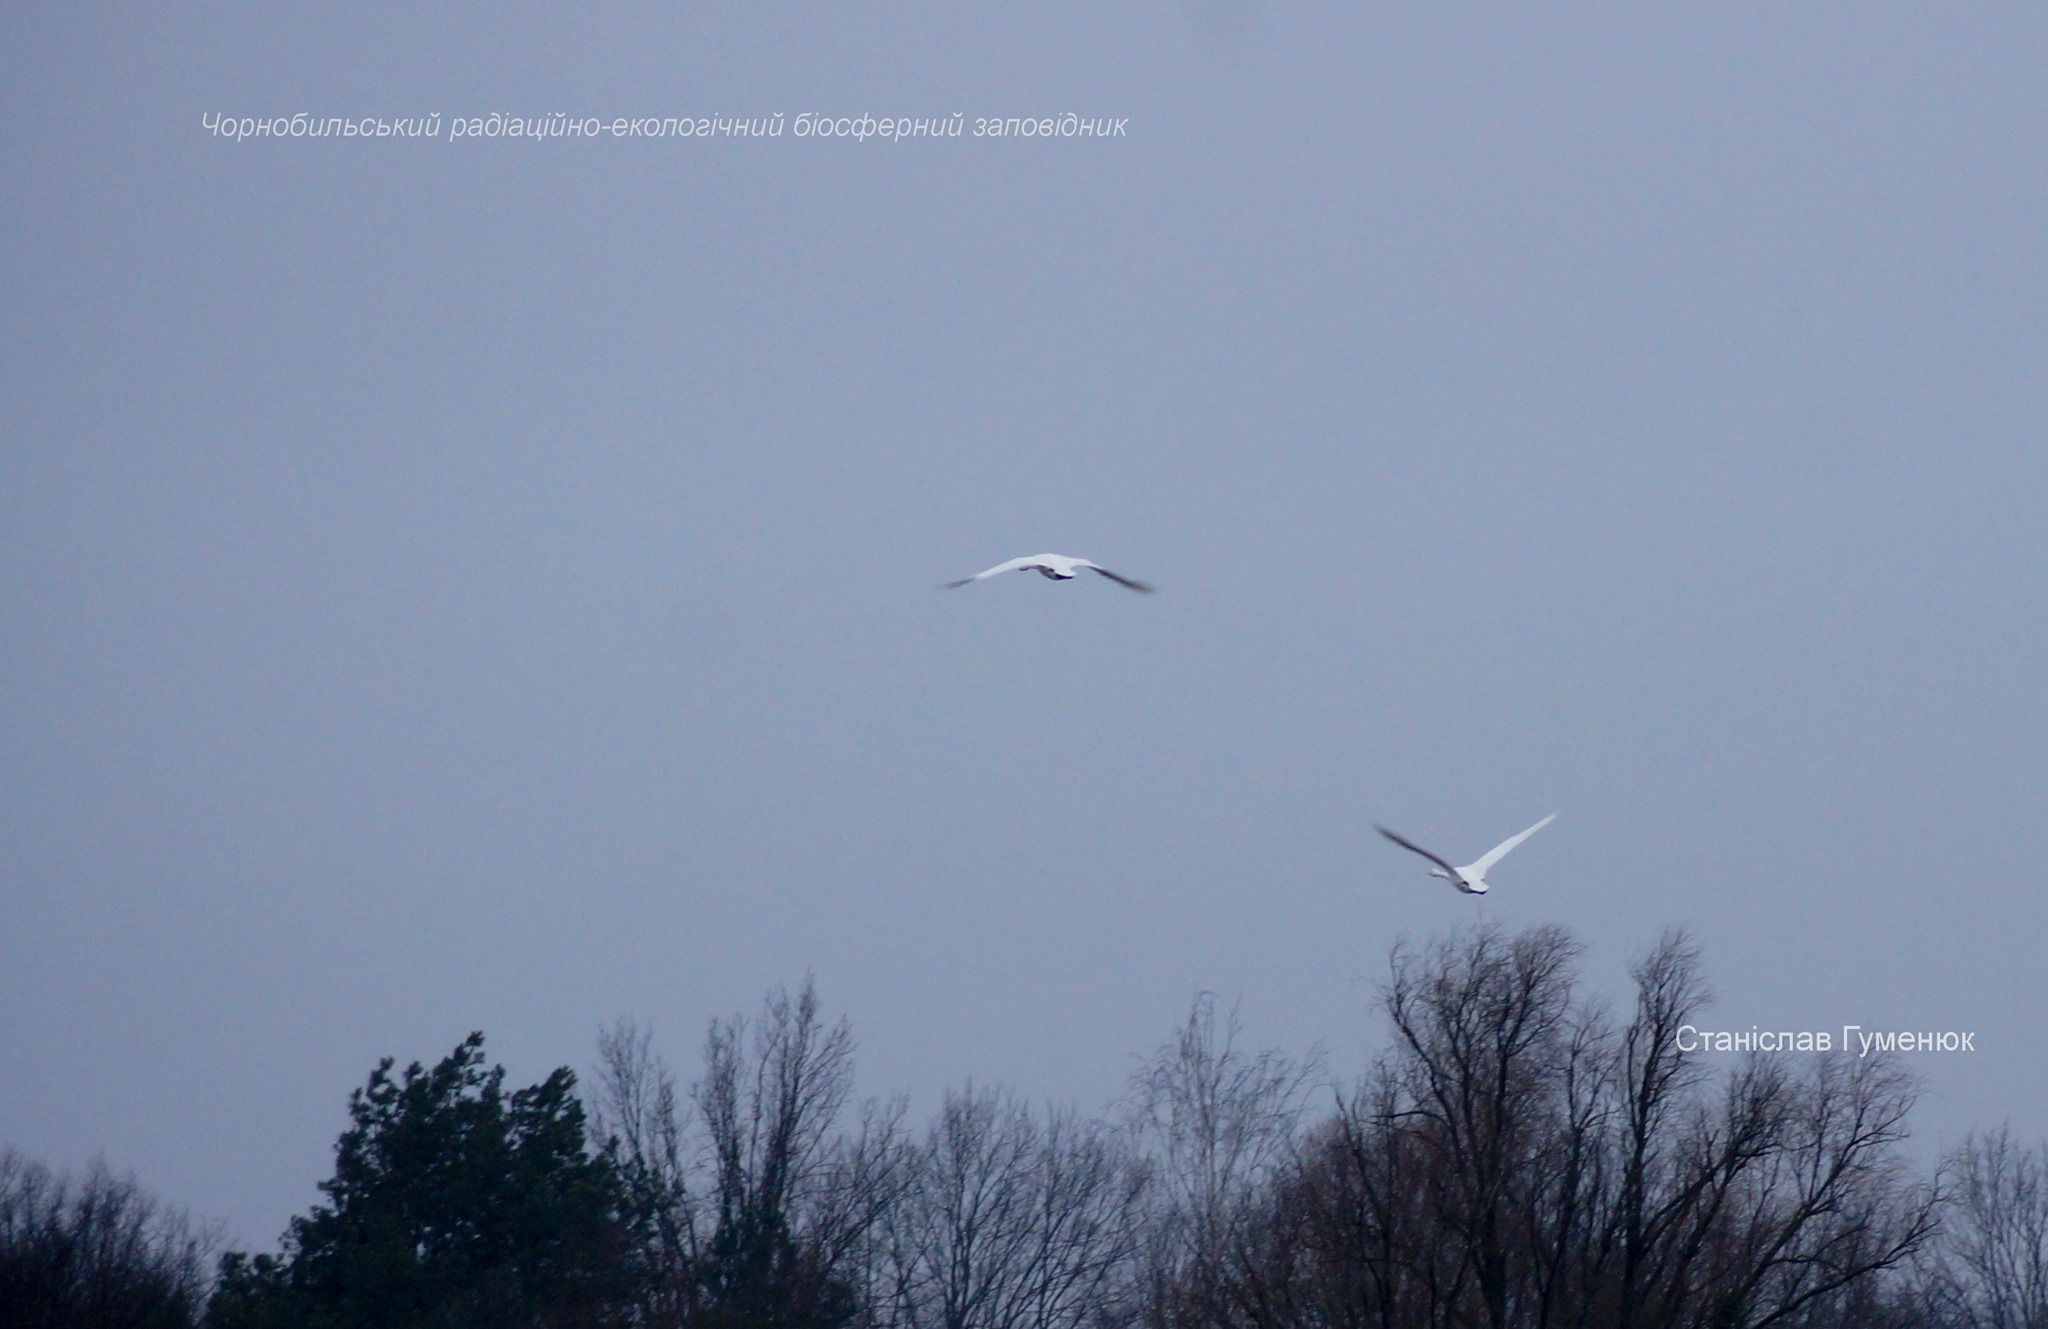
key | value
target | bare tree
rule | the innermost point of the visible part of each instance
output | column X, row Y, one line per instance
column 1514, row 1160
column 1013, row 1223
column 1825, row 1203
column 1815, row 1194
column 1989, row 1270
column 865, row 1177
column 1656, row 1081
column 1484, row 1041
column 638, row 1115
column 762, row 1214
column 1219, row 1123
column 99, row 1251
column 962, row 1239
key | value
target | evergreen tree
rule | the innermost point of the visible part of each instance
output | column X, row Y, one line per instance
column 452, row 1205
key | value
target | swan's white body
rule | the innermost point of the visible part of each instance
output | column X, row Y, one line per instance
column 1471, row 878
column 1057, row 567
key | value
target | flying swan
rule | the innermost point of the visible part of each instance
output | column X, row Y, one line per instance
column 1058, row 567
column 1471, row 878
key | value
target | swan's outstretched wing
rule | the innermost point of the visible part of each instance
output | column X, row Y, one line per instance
column 1119, row 580
column 1500, row 851
column 1412, row 847
column 1011, row 566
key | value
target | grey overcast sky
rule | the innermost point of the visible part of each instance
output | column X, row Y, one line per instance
column 490, row 584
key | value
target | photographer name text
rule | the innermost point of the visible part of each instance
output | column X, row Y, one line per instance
column 1690, row 1038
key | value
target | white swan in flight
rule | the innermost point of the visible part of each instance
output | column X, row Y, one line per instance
column 1471, row 878
column 1056, row 566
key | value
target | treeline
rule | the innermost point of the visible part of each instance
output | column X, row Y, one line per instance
column 1515, row 1157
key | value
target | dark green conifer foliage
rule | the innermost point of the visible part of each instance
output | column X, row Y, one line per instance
column 452, row 1206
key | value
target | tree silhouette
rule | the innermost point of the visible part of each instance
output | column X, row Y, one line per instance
column 451, row 1205
column 768, row 1222
column 1513, row 1160
column 92, row 1253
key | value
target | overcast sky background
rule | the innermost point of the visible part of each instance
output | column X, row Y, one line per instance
column 491, row 585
